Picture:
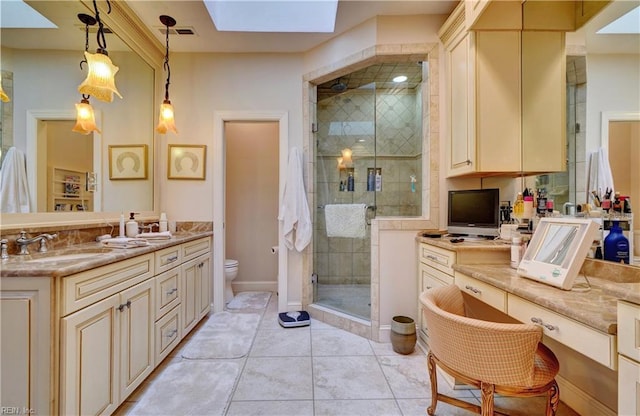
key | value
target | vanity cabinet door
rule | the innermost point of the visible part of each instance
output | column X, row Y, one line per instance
column 90, row 355
column 107, row 351
column 25, row 346
column 137, row 323
column 196, row 288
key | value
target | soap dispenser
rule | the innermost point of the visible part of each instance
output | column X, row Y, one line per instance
column 132, row 226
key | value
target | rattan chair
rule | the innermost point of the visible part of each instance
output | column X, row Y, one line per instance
column 506, row 359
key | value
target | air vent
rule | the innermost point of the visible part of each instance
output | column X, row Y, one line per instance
column 185, row 30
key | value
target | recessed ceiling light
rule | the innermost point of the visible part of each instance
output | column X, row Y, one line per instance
column 16, row 14
column 313, row 16
column 627, row 24
column 400, row 78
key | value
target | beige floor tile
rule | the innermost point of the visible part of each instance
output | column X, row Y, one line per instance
column 349, row 378
column 275, row 378
column 356, row 408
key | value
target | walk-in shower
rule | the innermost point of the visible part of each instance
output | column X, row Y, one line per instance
column 368, row 151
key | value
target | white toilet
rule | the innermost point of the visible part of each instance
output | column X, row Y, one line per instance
column 230, row 273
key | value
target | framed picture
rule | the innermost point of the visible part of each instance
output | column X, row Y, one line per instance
column 128, row 161
column 187, row 161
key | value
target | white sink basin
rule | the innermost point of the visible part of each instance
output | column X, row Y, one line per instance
column 63, row 257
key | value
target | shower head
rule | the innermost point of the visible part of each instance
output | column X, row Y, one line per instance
column 339, row 86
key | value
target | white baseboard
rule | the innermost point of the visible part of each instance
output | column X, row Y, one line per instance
column 260, row 286
column 580, row 401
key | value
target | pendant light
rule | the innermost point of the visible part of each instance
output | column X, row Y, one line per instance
column 100, row 81
column 166, row 121
column 85, row 118
column 3, row 96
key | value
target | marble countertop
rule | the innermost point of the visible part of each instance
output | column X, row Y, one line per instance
column 596, row 308
column 37, row 265
column 467, row 244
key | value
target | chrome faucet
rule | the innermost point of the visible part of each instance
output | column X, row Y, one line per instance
column 23, row 242
column 3, row 249
column 149, row 227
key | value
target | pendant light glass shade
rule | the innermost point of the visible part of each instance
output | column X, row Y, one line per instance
column 100, row 81
column 85, row 118
column 3, row 96
column 166, row 121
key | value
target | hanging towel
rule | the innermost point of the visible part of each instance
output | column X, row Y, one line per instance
column 14, row 188
column 346, row 220
column 294, row 211
column 600, row 176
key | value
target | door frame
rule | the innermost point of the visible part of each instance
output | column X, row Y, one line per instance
column 219, row 172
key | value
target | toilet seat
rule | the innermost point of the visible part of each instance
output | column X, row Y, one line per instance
column 229, row 263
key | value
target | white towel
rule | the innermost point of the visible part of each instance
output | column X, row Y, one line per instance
column 294, row 211
column 164, row 235
column 14, row 188
column 600, row 176
column 346, row 220
column 125, row 242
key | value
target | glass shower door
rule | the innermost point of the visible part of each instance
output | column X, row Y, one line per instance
column 345, row 174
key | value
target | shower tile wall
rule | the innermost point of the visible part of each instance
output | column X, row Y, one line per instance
column 346, row 121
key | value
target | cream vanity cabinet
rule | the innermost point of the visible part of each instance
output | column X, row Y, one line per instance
column 82, row 343
column 506, row 98
column 434, row 271
column 196, row 282
column 628, row 358
column 107, row 340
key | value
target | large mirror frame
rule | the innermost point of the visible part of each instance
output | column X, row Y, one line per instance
column 130, row 29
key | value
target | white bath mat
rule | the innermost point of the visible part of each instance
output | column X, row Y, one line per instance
column 250, row 300
column 174, row 392
column 223, row 335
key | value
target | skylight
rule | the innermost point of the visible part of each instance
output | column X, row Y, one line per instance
column 311, row 16
column 628, row 23
column 16, row 14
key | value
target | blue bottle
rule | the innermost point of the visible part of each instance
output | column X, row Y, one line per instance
column 616, row 245
column 350, row 183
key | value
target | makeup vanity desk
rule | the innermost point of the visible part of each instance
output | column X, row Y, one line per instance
column 585, row 321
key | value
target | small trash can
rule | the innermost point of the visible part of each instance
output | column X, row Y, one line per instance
column 403, row 334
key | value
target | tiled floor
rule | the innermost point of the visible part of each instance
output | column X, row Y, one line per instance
column 313, row 370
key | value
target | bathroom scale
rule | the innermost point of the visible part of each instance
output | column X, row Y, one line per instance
column 294, row 319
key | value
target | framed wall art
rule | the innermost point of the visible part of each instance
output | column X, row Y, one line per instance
column 128, row 161
column 187, row 161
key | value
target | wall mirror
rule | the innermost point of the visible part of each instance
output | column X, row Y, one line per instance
column 45, row 67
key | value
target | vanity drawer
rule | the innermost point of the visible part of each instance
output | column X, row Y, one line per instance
column 83, row 289
column 629, row 330
column 594, row 344
column 486, row 293
column 193, row 249
column 168, row 258
column 438, row 258
column 167, row 291
column 167, row 333
column 431, row 277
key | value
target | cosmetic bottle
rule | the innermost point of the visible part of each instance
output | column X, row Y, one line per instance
column 616, row 245
column 350, row 183
column 121, row 230
column 163, row 224
column 371, row 180
column 516, row 251
column 378, row 180
column 132, row 229
column 528, row 207
column 518, row 207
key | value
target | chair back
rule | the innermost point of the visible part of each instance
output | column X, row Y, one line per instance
column 496, row 353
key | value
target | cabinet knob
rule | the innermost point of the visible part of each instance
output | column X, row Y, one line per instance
column 172, row 291
column 124, row 305
column 172, row 259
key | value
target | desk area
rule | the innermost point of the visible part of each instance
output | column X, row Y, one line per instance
column 581, row 324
